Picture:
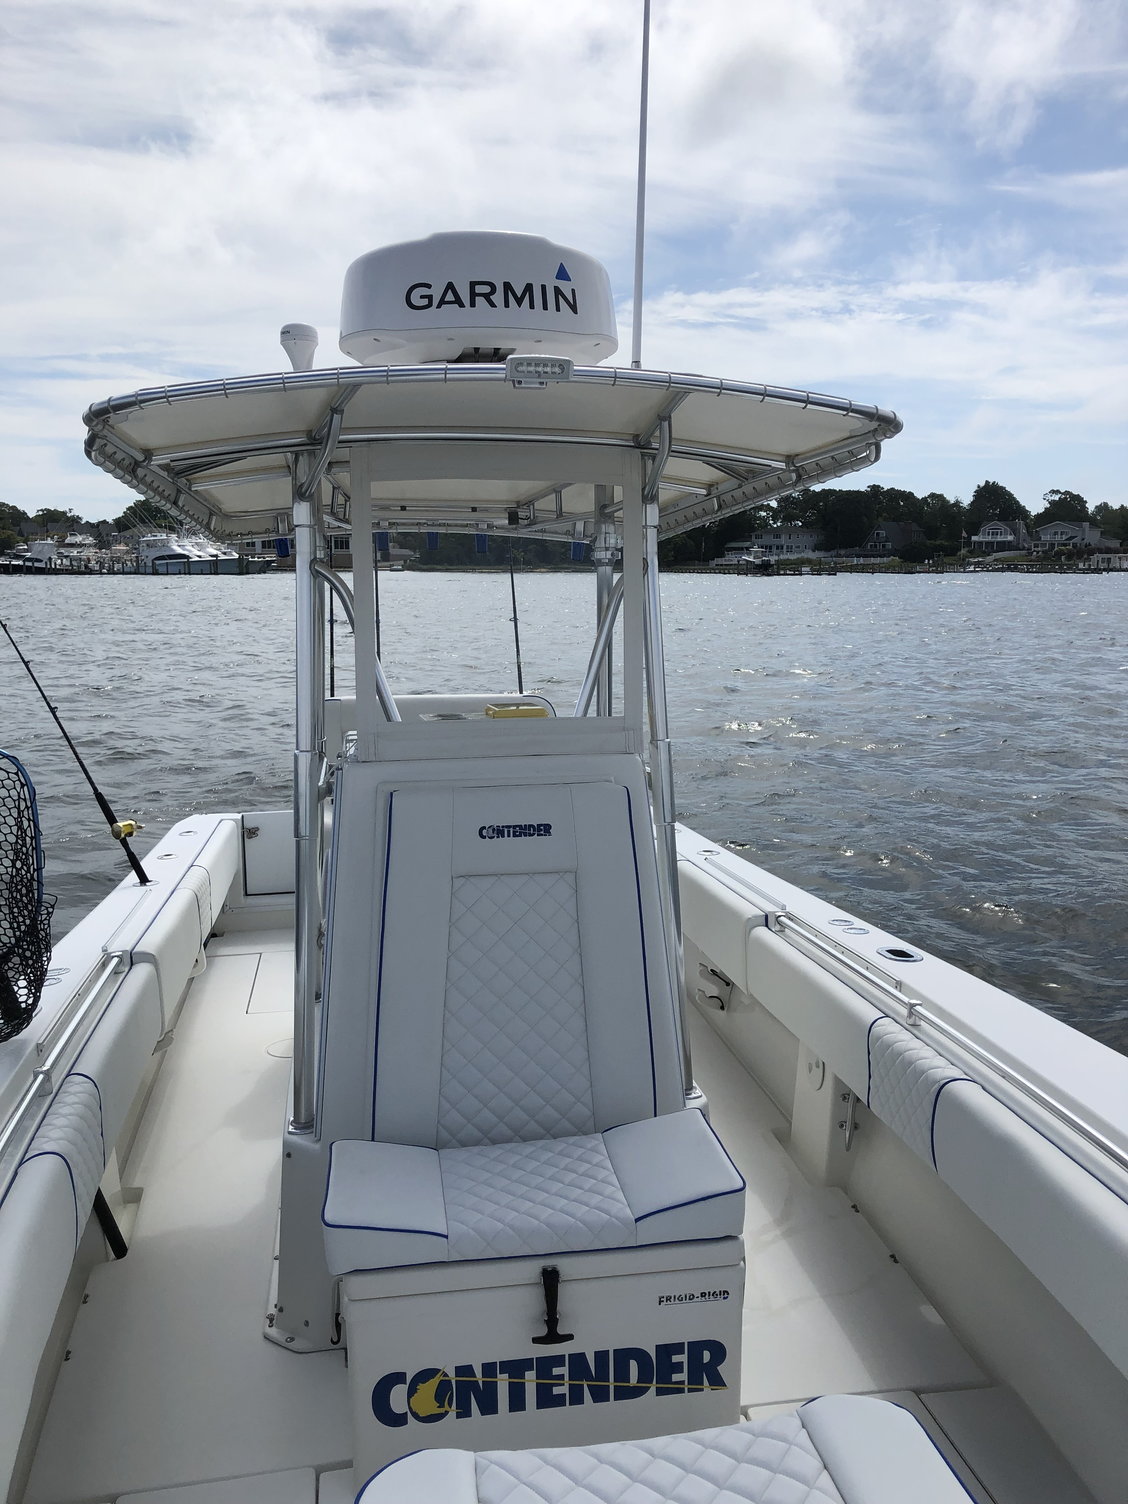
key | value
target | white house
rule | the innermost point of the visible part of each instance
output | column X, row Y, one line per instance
column 999, row 537
column 778, row 542
column 1074, row 535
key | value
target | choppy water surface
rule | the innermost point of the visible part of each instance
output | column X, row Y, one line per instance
column 941, row 754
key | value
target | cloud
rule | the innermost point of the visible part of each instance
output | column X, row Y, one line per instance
column 825, row 188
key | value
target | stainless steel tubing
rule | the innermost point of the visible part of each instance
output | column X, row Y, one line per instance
column 307, row 812
column 887, row 986
column 384, row 694
column 41, row 1084
column 661, row 761
column 915, row 1014
column 103, row 967
column 599, row 648
column 337, row 585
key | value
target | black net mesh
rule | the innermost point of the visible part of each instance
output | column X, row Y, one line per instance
column 25, row 910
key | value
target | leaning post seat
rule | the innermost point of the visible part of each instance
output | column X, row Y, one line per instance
column 529, row 1224
column 842, row 1449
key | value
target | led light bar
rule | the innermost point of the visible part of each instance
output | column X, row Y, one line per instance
column 537, row 370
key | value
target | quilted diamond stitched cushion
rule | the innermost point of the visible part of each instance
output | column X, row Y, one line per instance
column 72, row 1130
column 905, row 1075
column 515, row 1052
column 553, row 1196
column 769, row 1461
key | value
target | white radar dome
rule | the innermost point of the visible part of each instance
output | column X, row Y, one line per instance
column 477, row 296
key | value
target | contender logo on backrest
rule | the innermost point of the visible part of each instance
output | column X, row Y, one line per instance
column 557, row 1380
column 511, row 832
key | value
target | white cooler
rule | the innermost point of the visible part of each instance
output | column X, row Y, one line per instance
column 648, row 1341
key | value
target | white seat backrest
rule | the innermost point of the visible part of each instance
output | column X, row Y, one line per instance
column 519, row 987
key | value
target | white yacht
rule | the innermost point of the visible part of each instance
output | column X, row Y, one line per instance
column 472, row 1131
column 186, row 553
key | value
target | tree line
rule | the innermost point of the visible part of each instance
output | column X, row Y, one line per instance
column 843, row 518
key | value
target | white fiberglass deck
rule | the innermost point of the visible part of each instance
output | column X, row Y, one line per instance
column 169, row 1379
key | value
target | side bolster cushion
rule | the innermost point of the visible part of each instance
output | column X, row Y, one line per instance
column 171, row 944
column 433, row 1474
column 383, row 1206
column 677, row 1178
column 218, row 863
column 37, row 1219
column 117, row 1053
column 1068, row 1228
column 877, row 1453
column 905, row 1078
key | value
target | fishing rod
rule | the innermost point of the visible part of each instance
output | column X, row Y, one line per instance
column 121, row 830
column 513, row 619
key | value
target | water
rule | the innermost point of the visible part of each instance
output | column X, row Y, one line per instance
column 939, row 754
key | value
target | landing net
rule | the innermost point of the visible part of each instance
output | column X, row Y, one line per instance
column 25, row 910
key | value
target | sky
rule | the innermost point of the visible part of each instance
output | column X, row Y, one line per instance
column 920, row 205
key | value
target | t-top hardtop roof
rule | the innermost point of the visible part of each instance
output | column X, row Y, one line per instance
column 222, row 453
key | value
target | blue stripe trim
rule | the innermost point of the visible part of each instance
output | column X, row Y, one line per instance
column 935, row 1104
column 54, row 1154
column 362, row 1226
column 81, row 1075
column 380, row 960
column 384, row 1469
column 645, row 966
column 410, row 1232
column 736, row 1190
column 724, row 1151
column 894, row 1405
column 869, row 1056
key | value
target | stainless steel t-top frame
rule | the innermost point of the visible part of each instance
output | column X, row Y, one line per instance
column 616, row 456
column 624, row 497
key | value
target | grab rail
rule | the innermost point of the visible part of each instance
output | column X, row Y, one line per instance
column 42, row 1077
column 599, row 649
column 915, row 1014
column 106, row 963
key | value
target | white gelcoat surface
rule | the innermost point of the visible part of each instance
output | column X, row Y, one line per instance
column 826, row 1310
column 170, row 1380
column 295, row 1486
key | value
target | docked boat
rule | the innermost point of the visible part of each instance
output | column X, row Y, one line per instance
column 472, row 1131
column 193, row 553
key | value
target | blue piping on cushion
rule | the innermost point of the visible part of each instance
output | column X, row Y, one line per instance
column 98, row 1093
column 869, row 1056
column 932, row 1119
column 645, row 964
column 424, row 1232
column 54, row 1154
column 380, row 960
column 385, row 1468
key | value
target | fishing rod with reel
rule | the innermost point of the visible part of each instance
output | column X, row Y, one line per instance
column 121, row 830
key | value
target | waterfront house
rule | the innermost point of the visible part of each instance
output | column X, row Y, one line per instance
column 1011, row 536
column 1074, row 535
column 778, row 542
column 889, row 537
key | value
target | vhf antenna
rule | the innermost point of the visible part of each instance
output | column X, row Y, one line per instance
column 640, row 202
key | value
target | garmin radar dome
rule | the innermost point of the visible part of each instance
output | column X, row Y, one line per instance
column 476, row 296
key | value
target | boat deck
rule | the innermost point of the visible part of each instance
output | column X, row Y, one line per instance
column 827, row 1307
